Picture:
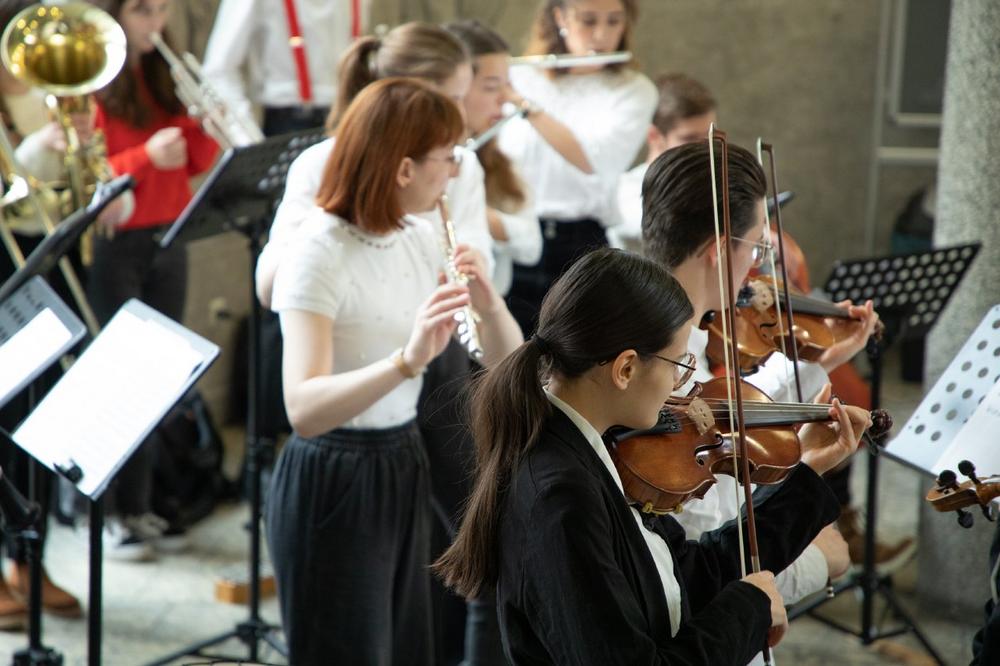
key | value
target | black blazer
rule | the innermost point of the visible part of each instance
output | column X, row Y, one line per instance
column 577, row 584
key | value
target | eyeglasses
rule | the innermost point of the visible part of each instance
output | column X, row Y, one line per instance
column 455, row 158
column 760, row 253
column 686, row 367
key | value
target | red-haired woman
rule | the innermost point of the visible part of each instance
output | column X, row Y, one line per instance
column 362, row 314
column 584, row 127
column 149, row 136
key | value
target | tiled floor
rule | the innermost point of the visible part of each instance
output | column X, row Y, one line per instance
column 153, row 609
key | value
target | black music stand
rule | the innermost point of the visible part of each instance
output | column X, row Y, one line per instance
column 35, row 322
column 23, row 294
column 240, row 194
column 909, row 292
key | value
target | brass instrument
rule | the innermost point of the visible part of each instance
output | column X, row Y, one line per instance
column 24, row 197
column 563, row 60
column 467, row 332
column 69, row 51
column 229, row 128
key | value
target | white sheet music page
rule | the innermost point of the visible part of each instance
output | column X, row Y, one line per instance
column 979, row 439
column 103, row 407
column 21, row 355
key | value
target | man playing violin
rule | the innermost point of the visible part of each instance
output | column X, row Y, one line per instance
column 679, row 233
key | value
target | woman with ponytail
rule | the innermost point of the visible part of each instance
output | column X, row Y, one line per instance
column 581, row 576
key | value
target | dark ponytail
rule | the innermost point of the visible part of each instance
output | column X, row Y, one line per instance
column 607, row 302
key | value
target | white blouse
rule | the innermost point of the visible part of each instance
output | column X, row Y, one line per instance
column 466, row 200
column 523, row 245
column 658, row 548
column 370, row 287
column 608, row 112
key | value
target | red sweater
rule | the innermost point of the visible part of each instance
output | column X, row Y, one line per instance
column 160, row 195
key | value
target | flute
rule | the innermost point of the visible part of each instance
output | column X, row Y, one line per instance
column 467, row 333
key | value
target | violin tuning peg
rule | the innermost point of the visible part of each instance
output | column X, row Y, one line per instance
column 987, row 513
column 947, row 479
column 964, row 518
column 881, row 423
column 968, row 469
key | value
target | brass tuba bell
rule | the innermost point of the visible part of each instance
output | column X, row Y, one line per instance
column 68, row 51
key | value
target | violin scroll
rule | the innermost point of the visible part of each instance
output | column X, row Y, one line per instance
column 950, row 495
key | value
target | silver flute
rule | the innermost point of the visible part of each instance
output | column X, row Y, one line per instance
column 467, row 333
column 229, row 127
column 476, row 142
column 560, row 60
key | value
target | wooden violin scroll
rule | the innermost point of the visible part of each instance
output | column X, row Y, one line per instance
column 950, row 495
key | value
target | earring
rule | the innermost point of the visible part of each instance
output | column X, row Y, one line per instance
column 563, row 32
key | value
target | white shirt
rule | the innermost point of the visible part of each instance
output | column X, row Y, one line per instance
column 608, row 112
column 523, row 244
column 254, row 33
column 370, row 287
column 658, row 548
column 627, row 207
column 466, row 201
column 723, row 500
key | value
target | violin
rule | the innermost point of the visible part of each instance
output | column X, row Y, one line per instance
column 950, row 495
column 678, row 459
column 817, row 325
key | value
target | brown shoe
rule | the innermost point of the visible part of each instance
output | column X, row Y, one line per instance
column 888, row 557
column 55, row 599
column 13, row 613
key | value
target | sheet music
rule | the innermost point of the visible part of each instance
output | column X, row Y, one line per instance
column 21, row 355
column 102, row 408
column 979, row 439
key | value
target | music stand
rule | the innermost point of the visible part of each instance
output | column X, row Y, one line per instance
column 37, row 328
column 240, row 194
column 104, row 407
column 911, row 289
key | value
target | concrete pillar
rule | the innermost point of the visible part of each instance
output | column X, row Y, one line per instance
column 953, row 562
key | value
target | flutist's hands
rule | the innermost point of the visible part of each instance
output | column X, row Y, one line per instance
column 434, row 324
column 486, row 300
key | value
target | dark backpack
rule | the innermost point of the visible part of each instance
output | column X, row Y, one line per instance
column 187, row 468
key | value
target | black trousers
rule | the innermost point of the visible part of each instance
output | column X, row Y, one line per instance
column 348, row 522
column 563, row 242
column 132, row 265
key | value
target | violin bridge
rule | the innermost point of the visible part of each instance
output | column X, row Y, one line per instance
column 701, row 415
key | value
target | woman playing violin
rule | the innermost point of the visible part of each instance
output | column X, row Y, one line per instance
column 581, row 576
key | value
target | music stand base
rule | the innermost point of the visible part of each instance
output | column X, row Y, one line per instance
column 37, row 657
column 251, row 633
column 883, row 588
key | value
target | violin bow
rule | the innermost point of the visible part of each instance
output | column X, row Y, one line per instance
column 768, row 148
column 733, row 387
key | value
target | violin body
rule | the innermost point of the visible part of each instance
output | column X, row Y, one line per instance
column 678, row 459
column 818, row 325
